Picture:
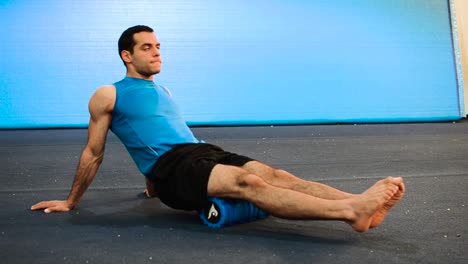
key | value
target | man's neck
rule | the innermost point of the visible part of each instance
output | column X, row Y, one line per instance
column 139, row 76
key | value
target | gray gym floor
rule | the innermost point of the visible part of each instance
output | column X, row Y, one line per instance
column 114, row 223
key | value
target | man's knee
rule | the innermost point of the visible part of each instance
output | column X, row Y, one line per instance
column 233, row 182
column 281, row 178
column 249, row 180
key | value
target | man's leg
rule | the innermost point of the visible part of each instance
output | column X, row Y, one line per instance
column 284, row 179
column 233, row 182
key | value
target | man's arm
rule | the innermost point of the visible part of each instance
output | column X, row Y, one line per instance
column 100, row 108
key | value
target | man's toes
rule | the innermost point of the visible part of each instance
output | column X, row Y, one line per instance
column 391, row 191
column 401, row 187
column 389, row 179
column 397, row 180
column 393, row 180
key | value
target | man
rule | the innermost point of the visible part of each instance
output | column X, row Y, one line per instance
column 183, row 172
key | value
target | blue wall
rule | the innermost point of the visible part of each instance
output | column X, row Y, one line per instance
column 235, row 61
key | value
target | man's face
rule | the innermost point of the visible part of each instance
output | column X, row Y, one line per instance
column 146, row 58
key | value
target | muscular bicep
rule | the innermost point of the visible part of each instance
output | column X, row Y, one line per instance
column 100, row 109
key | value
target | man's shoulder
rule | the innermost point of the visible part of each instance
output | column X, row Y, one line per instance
column 105, row 91
column 106, row 88
column 104, row 96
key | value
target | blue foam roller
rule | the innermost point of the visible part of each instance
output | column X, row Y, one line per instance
column 219, row 212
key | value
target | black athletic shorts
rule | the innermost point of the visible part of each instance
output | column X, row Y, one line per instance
column 181, row 174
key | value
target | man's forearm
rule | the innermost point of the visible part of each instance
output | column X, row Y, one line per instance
column 87, row 169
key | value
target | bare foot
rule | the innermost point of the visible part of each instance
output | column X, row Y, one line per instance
column 380, row 214
column 369, row 202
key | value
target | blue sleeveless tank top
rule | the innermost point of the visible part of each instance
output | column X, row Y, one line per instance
column 147, row 121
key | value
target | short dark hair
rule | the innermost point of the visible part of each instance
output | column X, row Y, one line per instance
column 126, row 40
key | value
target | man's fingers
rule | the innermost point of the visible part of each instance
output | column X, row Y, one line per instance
column 41, row 205
column 52, row 206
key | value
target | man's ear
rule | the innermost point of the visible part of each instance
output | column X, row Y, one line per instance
column 126, row 56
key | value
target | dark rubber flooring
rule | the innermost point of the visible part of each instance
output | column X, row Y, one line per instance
column 115, row 224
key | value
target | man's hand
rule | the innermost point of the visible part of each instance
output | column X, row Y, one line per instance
column 53, row 206
column 150, row 190
column 150, row 194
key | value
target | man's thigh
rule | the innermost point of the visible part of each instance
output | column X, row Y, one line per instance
column 224, row 181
